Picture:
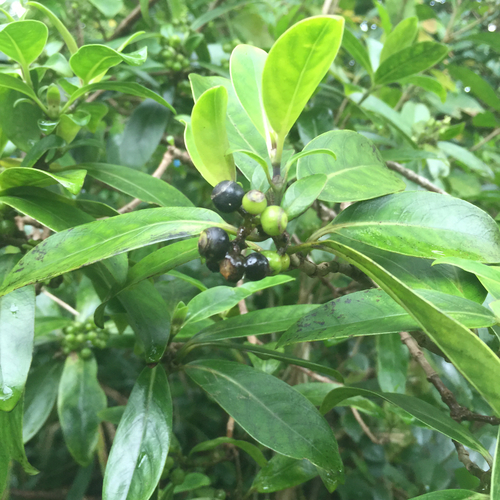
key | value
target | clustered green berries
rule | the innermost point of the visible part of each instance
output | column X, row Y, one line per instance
column 82, row 337
column 274, row 220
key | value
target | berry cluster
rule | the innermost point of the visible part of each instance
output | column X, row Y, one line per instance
column 174, row 56
column 82, row 336
column 224, row 256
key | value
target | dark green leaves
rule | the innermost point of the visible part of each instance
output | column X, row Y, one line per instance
column 409, row 61
column 99, row 240
column 271, row 411
column 142, row 440
column 358, row 173
column 422, row 224
column 302, row 194
column 80, row 399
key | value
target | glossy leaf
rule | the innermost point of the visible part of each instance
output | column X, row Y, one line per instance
column 489, row 276
column 409, row 61
column 192, row 481
column 247, row 447
column 17, row 329
column 453, row 495
column 91, row 62
column 422, row 224
column 143, row 133
column 140, row 447
column 402, row 36
column 246, row 66
column 11, row 82
column 357, row 158
column 149, row 318
column 392, row 363
column 407, row 154
column 374, row 312
column 259, row 322
column 23, row 41
column 63, row 31
column 137, row 184
column 283, row 472
column 495, row 472
column 208, row 124
column 312, row 45
column 302, row 194
column 221, row 298
column 427, row 83
column 80, row 399
column 98, row 240
column 472, row 357
column 40, row 148
column 40, row 396
column 357, row 50
column 260, row 403
column 464, row 156
column 72, row 180
column 124, row 87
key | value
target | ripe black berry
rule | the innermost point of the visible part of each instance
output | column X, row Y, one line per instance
column 213, row 265
column 232, row 267
column 256, row 267
column 227, row 196
column 213, row 243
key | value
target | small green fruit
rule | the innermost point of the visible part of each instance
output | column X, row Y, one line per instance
column 177, row 476
column 285, row 262
column 177, row 66
column 8, row 228
column 80, row 338
column 254, row 202
column 220, row 495
column 274, row 220
column 70, row 338
column 85, row 353
column 274, row 261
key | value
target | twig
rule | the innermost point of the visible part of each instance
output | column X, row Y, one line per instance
column 242, row 306
column 315, row 376
column 468, row 27
column 167, row 159
column 326, row 7
column 457, row 411
column 464, row 457
column 412, row 176
column 488, row 138
column 365, row 428
column 230, row 427
column 61, row 303
column 114, row 394
column 124, row 26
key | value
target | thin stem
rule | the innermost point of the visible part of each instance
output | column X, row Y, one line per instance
column 487, row 139
column 414, row 177
column 61, row 303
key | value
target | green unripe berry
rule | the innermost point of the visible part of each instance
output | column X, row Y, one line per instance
column 70, row 338
column 85, row 353
column 285, row 262
column 220, row 495
column 175, row 40
column 254, row 202
column 92, row 335
column 177, row 66
column 274, row 220
column 81, row 337
column 227, row 48
column 101, row 344
column 8, row 227
column 274, row 261
column 69, row 329
column 179, row 57
column 66, row 350
column 177, row 476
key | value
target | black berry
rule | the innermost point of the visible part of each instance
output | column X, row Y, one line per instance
column 256, row 267
column 227, row 196
column 232, row 267
column 213, row 244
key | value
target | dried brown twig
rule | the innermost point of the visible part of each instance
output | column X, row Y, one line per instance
column 412, row 176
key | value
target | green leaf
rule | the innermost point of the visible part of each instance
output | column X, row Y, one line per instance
column 427, row 83
column 143, row 133
column 418, row 408
column 11, row 82
column 453, row 495
column 40, row 396
column 402, row 36
column 283, row 472
column 407, row 154
column 192, row 481
column 79, row 400
column 261, row 404
column 374, row 312
column 247, row 66
column 63, row 31
column 357, row 50
column 495, row 471
column 40, row 148
column 302, row 194
column 149, row 318
column 17, row 329
column 11, row 437
column 479, row 87
column 55, row 212
column 422, row 224
column 89, row 243
column 357, row 158
column 124, row 87
column 221, row 298
column 392, row 363
column 409, row 61
column 72, row 180
column 312, row 45
column 137, row 184
column 208, row 124
column 23, row 41
column 465, row 157
column 200, row 21
column 473, row 358
column 247, row 447
column 275, row 319
column 140, row 447
column 385, row 19
column 109, row 8
column 489, row 276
